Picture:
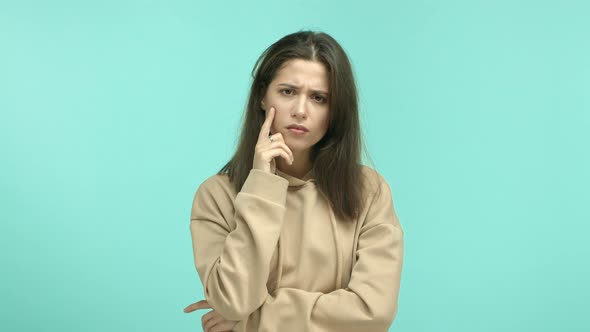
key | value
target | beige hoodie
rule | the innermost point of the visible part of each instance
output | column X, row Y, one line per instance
column 275, row 258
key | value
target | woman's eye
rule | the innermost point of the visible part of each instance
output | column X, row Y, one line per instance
column 319, row 99
column 287, row 92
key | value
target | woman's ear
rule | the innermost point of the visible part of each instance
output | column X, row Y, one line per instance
column 262, row 105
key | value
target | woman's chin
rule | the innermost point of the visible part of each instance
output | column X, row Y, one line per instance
column 298, row 149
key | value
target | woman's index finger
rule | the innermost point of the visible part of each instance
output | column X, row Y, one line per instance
column 203, row 304
column 265, row 129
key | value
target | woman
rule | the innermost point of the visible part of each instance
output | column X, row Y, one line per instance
column 293, row 233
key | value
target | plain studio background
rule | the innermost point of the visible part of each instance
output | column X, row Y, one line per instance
column 113, row 112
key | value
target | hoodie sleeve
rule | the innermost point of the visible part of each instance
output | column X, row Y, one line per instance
column 368, row 303
column 233, row 265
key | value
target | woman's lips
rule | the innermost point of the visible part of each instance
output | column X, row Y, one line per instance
column 297, row 131
column 297, row 128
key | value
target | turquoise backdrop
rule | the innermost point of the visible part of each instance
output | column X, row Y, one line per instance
column 113, row 112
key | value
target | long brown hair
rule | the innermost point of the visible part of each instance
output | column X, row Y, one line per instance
column 336, row 158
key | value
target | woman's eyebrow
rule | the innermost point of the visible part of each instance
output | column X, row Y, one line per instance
column 294, row 87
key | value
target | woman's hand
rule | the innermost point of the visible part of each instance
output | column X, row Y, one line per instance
column 211, row 321
column 266, row 150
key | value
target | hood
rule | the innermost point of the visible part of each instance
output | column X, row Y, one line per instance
column 295, row 182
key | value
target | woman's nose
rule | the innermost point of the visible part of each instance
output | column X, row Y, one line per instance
column 301, row 107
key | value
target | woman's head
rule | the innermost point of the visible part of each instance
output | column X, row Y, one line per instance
column 315, row 68
column 322, row 65
column 299, row 93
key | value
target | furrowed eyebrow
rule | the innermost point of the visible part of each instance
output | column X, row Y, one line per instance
column 291, row 86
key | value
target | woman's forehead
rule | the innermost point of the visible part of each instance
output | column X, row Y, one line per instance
column 300, row 72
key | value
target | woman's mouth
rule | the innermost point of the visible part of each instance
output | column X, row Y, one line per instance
column 297, row 131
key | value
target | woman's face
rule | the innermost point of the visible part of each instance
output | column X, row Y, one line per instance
column 299, row 93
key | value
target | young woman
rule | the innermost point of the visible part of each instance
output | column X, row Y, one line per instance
column 294, row 233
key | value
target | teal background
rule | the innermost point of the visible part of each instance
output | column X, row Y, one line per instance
column 113, row 112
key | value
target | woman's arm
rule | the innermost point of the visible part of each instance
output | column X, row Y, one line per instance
column 234, row 265
column 369, row 303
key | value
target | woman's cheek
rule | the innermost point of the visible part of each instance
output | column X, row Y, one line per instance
column 273, row 127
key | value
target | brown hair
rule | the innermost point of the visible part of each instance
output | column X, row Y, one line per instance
column 336, row 157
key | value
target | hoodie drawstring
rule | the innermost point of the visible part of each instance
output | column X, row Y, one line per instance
column 280, row 262
column 338, row 253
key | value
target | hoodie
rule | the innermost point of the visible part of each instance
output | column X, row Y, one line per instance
column 274, row 256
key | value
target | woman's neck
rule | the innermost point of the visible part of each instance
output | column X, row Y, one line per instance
column 301, row 166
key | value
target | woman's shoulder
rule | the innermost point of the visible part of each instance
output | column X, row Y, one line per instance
column 372, row 179
column 214, row 181
column 214, row 199
column 217, row 187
